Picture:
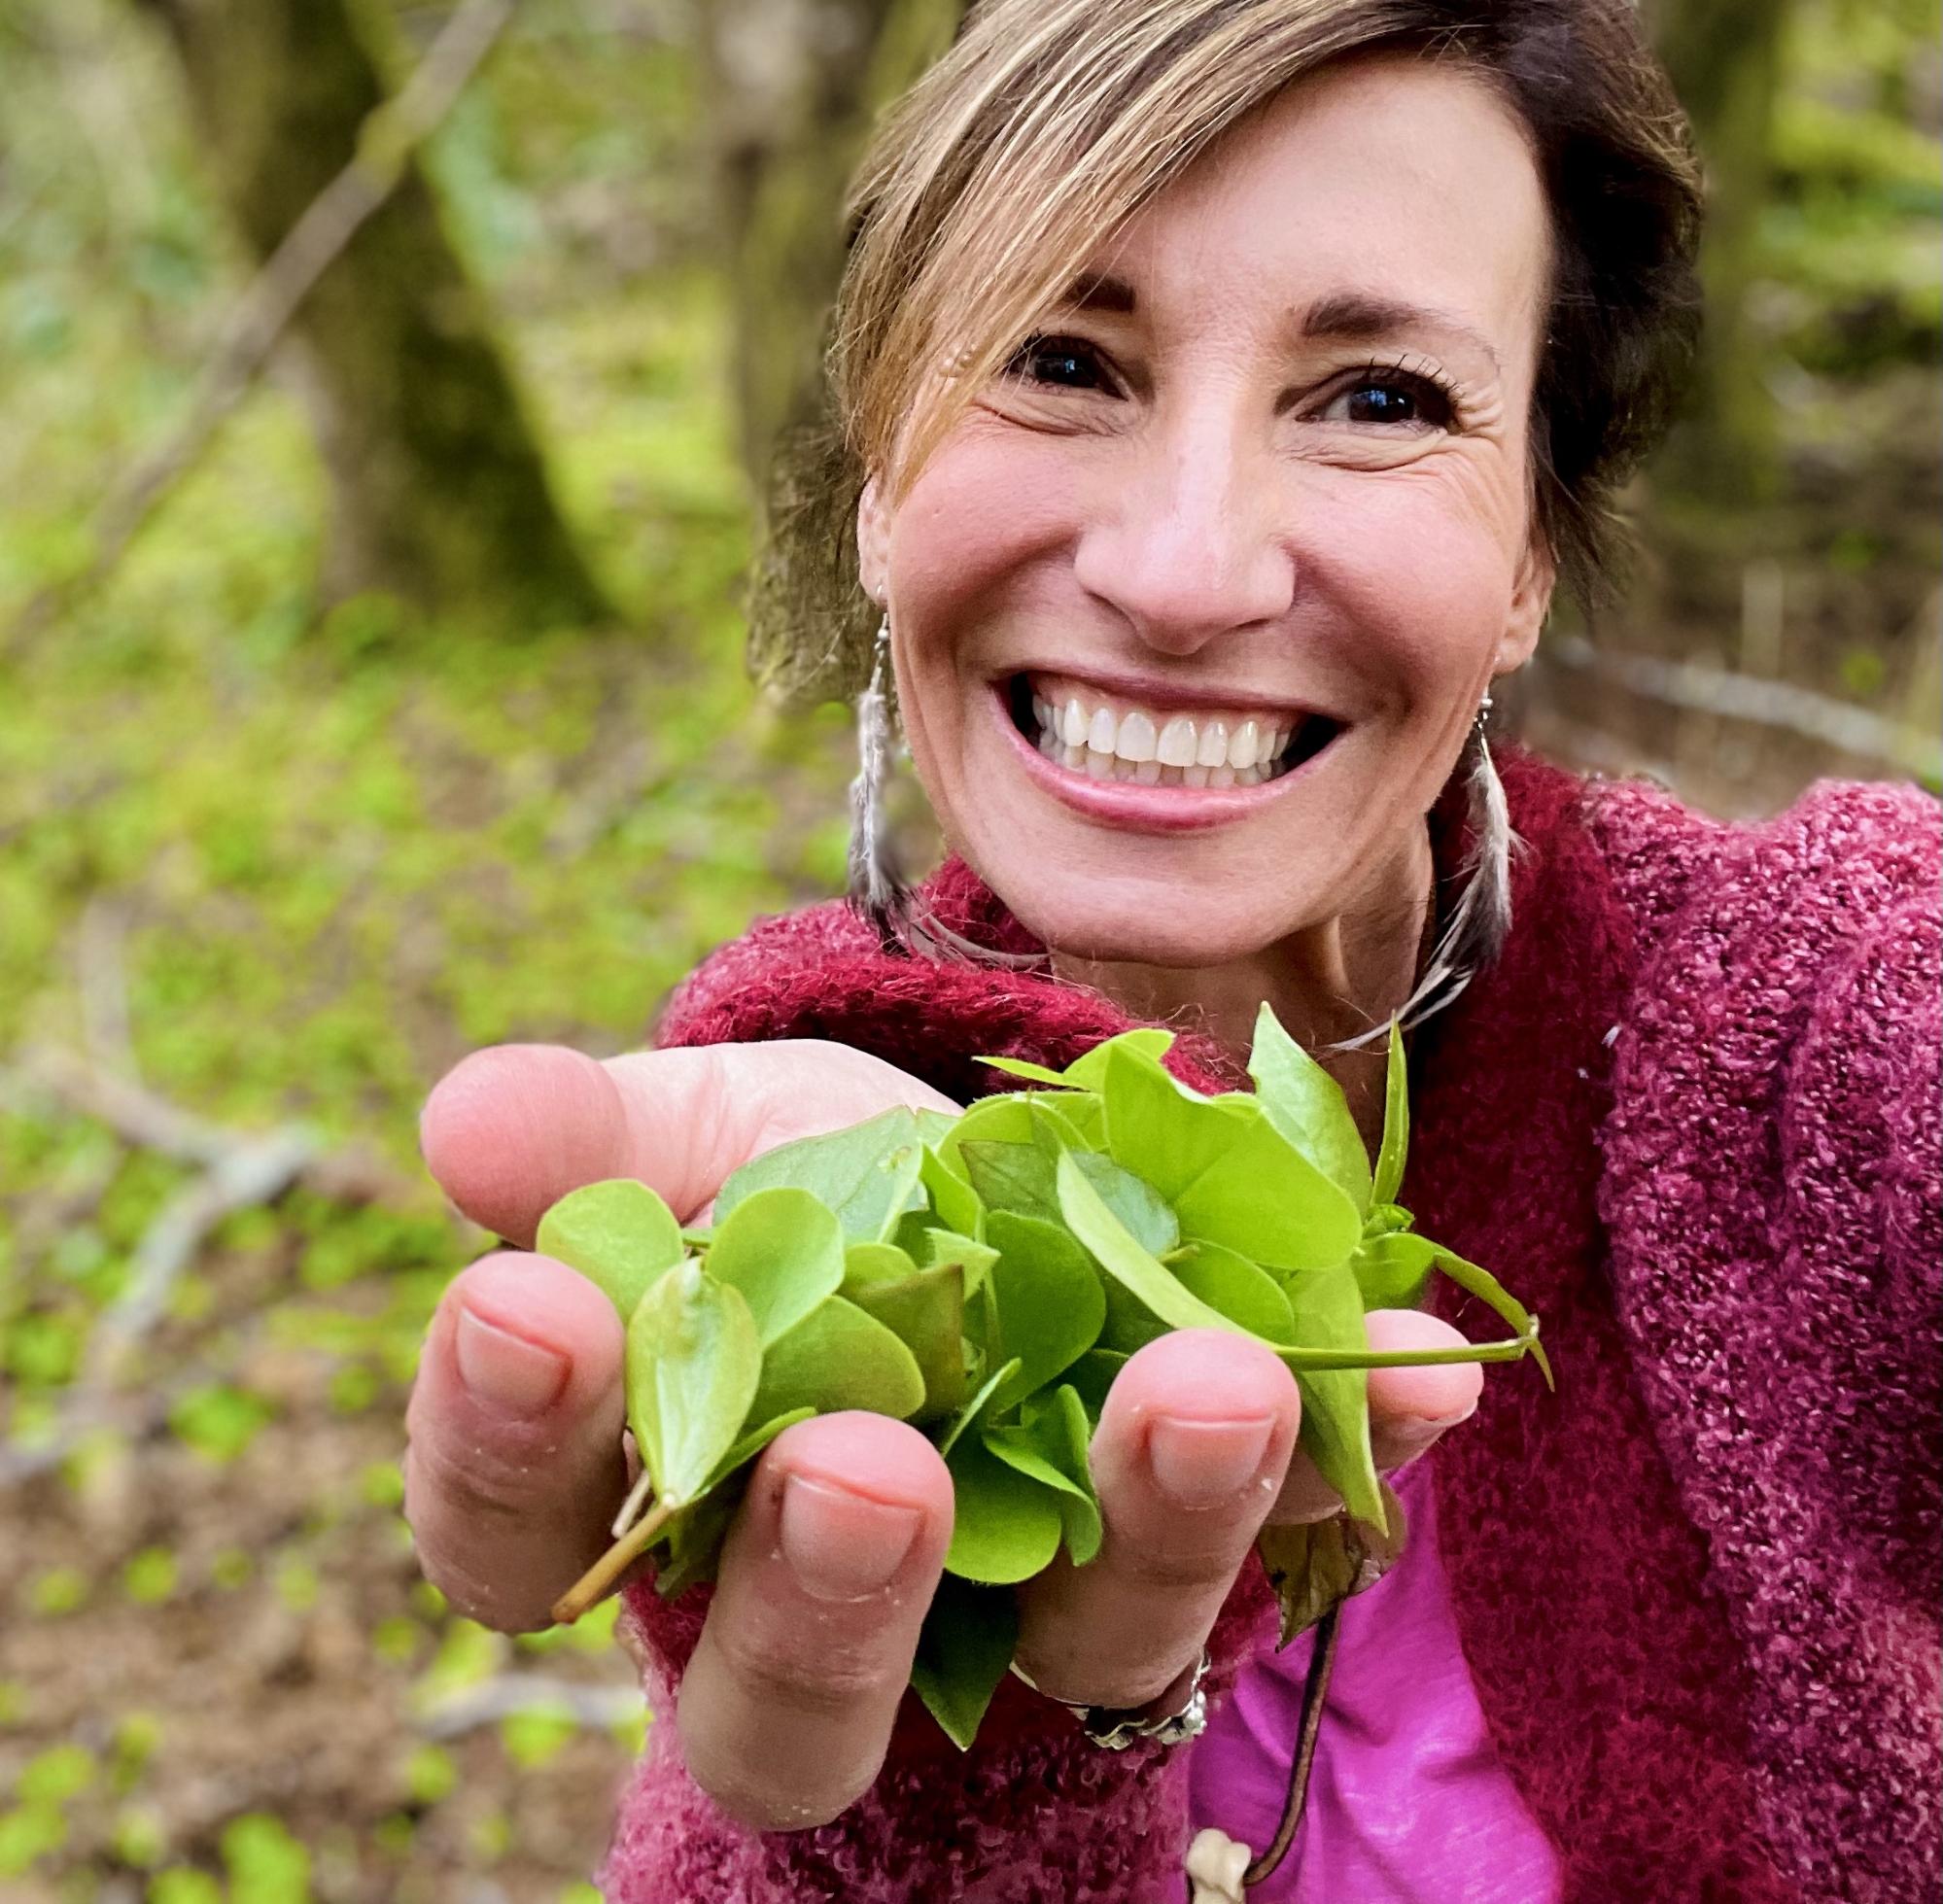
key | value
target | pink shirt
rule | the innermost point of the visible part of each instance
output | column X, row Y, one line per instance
column 1407, row 1803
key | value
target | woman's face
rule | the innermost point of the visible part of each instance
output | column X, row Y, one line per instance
column 1193, row 608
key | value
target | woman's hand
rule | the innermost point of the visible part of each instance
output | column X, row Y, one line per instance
column 515, row 1466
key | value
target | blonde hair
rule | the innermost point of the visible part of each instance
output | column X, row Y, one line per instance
column 1051, row 122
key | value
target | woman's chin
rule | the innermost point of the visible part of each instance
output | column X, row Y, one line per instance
column 1171, row 930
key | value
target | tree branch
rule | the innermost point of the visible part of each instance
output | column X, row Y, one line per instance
column 386, row 143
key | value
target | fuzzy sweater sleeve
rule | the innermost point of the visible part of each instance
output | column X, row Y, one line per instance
column 1773, row 1197
column 1034, row 1811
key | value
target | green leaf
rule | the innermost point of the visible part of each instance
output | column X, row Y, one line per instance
column 1049, row 1445
column 1138, row 1205
column 964, row 1649
column 1395, row 1145
column 694, row 1363
column 1129, row 1323
column 1117, row 1252
column 1024, row 1067
column 1264, row 1201
column 1005, row 1527
column 1155, row 1127
column 1307, row 1105
column 1328, row 1311
column 867, row 1174
column 951, row 1194
column 1481, row 1283
column 1320, row 1563
column 784, row 1250
column 979, row 1406
column 1143, row 1041
column 943, row 1246
column 1242, row 1291
column 1047, row 1300
column 932, row 1125
column 1392, row 1268
column 868, row 1265
column 618, row 1234
column 838, row 1357
column 1011, row 1177
column 926, row 1310
column 752, row 1444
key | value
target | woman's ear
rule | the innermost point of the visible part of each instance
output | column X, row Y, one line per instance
column 873, row 543
column 1530, row 599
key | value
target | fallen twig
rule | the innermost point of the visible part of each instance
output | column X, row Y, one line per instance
column 590, row 1707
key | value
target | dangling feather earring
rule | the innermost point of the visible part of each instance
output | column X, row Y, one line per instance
column 876, row 886
column 1483, row 918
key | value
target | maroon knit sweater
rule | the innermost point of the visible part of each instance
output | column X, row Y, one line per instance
column 1693, row 1117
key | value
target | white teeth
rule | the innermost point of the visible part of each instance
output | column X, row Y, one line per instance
column 1176, row 745
column 1142, row 748
column 1135, row 738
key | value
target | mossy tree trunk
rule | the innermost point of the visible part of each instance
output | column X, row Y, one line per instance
column 799, row 83
column 440, row 492
column 1724, row 57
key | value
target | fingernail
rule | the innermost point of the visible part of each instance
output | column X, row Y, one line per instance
column 839, row 1545
column 504, row 1370
column 1415, row 1434
column 1204, row 1463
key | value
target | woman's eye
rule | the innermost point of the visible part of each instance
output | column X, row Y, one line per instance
column 1392, row 398
column 1066, row 363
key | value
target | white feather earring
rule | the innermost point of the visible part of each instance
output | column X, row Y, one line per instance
column 877, row 886
column 1482, row 920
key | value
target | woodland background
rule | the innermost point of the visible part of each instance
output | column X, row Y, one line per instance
column 389, row 703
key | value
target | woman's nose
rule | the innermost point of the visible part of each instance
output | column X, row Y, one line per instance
column 1188, row 546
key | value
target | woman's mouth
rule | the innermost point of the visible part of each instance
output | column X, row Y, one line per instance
column 1108, row 737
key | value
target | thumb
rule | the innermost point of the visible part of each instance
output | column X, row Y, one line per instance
column 511, row 1130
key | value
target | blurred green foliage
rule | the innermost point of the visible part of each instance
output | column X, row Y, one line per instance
column 313, row 854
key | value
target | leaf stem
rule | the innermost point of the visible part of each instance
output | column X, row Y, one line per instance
column 637, row 1496
column 604, row 1572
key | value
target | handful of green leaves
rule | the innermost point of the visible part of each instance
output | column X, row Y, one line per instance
column 985, row 1276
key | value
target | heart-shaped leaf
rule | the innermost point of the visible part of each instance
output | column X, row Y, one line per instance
column 867, row 1175
column 618, row 1234
column 1005, row 1526
column 1327, row 1307
column 694, row 1365
column 926, row 1310
column 951, row 1193
column 964, row 1649
column 1307, row 1105
column 1047, row 1301
column 784, row 1250
column 838, row 1357
column 1396, row 1145
column 1264, row 1200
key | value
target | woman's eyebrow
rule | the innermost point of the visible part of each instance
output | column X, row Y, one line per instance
column 1101, row 292
column 1367, row 318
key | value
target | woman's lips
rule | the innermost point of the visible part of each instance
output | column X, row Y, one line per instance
column 1144, row 808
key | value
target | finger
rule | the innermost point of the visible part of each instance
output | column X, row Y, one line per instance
column 1189, row 1454
column 513, row 1467
column 788, row 1705
column 1410, row 1409
column 509, row 1130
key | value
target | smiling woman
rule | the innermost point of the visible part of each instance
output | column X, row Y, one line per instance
column 1221, row 388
